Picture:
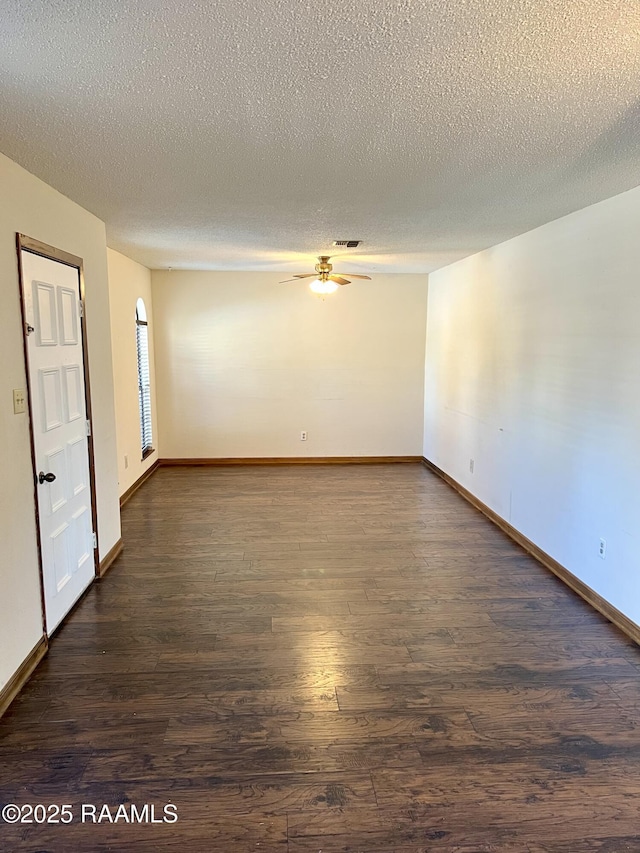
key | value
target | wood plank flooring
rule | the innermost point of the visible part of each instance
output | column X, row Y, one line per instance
column 323, row 659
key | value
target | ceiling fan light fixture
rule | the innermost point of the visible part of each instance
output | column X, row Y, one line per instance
column 319, row 285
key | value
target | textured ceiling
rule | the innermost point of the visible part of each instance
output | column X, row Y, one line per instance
column 249, row 134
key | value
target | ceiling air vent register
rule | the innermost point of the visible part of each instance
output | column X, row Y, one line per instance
column 350, row 244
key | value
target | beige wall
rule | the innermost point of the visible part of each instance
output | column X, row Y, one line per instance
column 533, row 371
column 243, row 364
column 128, row 282
column 31, row 207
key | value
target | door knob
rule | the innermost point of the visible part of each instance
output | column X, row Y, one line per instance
column 42, row 477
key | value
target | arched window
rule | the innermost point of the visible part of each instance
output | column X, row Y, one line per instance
column 144, row 381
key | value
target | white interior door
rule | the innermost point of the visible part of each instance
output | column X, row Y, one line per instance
column 51, row 294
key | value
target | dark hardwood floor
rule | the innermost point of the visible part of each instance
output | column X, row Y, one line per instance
column 339, row 658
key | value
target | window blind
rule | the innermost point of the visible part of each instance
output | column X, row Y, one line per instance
column 144, row 386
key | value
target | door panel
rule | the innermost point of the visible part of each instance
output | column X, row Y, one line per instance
column 57, row 491
column 68, row 316
column 82, row 537
column 51, row 293
column 78, row 466
column 45, row 314
column 59, row 541
column 50, row 398
column 73, row 392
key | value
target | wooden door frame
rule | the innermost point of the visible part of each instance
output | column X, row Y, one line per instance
column 29, row 244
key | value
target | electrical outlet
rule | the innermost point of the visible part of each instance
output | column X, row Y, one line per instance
column 471, row 465
column 602, row 550
column 19, row 401
column 303, row 435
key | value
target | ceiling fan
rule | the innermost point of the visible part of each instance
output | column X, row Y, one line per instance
column 325, row 282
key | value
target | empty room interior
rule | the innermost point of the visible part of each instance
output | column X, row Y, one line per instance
column 320, row 381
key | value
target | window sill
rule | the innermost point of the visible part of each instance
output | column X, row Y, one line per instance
column 147, row 452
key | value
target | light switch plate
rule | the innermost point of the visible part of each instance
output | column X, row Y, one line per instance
column 19, row 401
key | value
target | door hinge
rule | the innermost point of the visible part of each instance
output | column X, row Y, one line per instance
column 81, row 305
column 88, row 427
column 95, row 541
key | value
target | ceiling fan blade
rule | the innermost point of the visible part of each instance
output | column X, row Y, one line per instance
column 339, row 280
column 297, row 277
column 307, row 275
column 353, row 275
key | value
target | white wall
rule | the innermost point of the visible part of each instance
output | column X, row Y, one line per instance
column 533, row 370
column 128, row 282
column 31, row 207
column 243, row 364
